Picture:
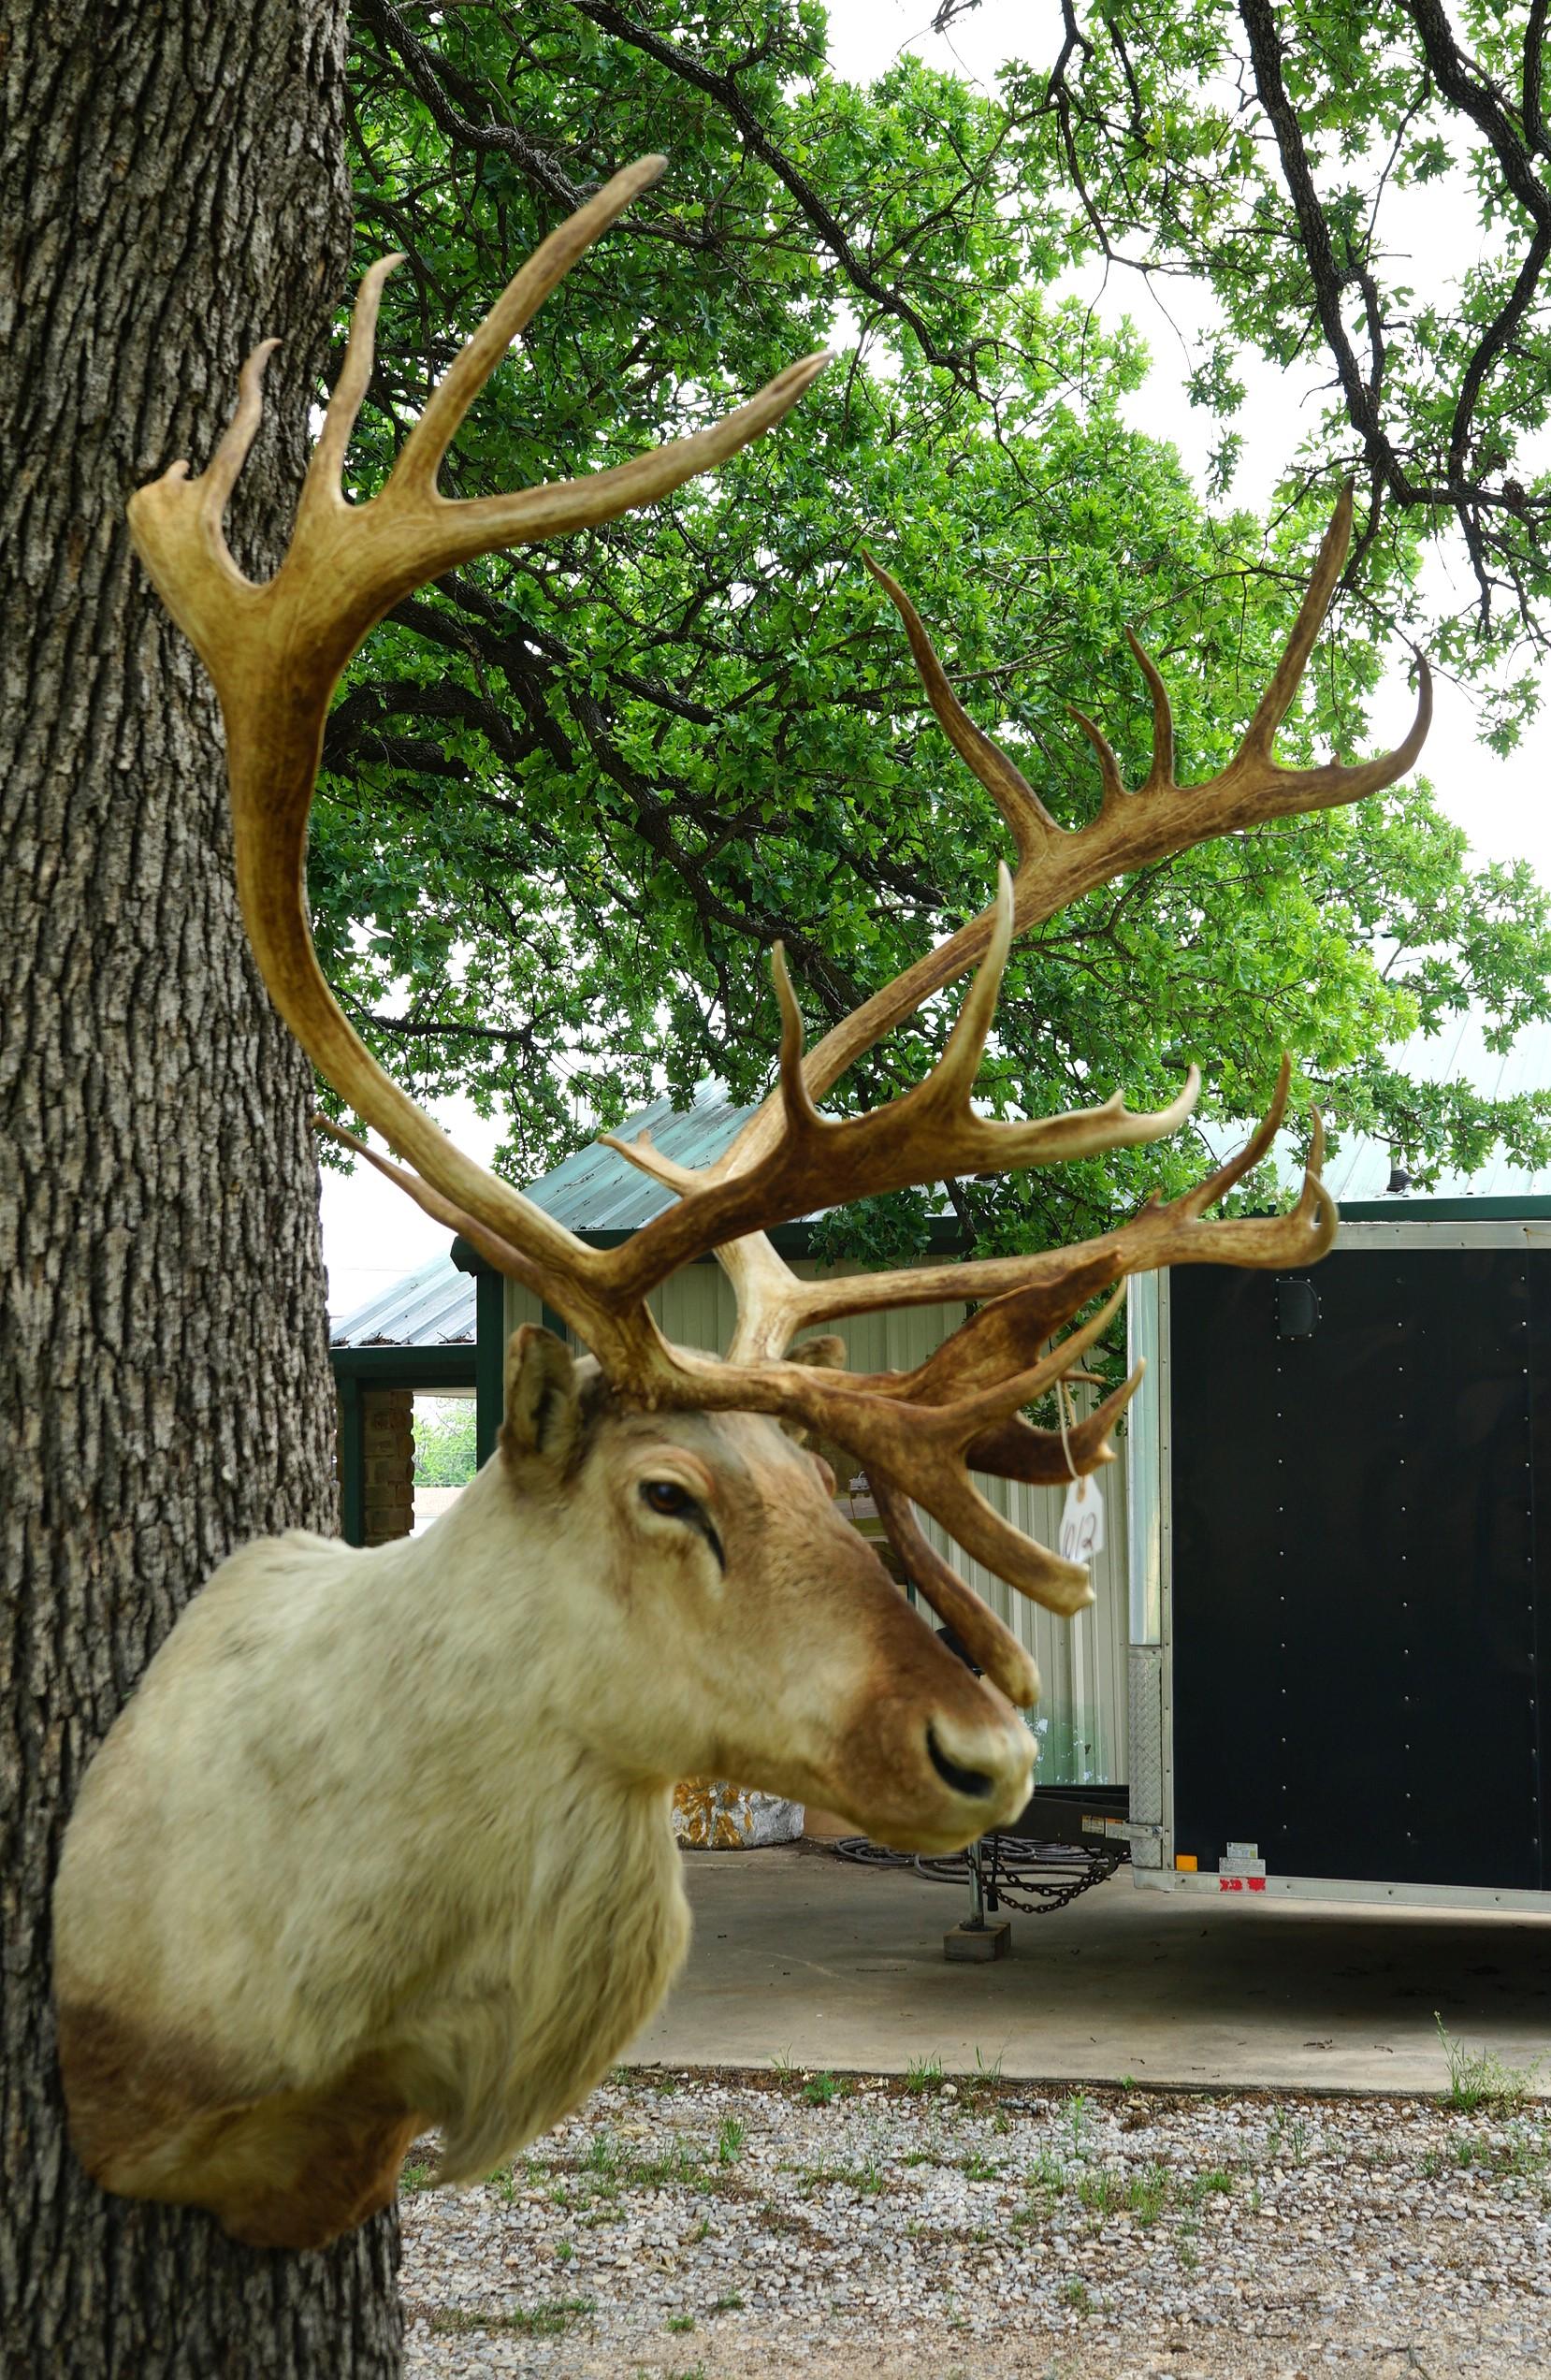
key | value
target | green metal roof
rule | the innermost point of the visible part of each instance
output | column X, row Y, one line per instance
column 596, row 1191
column 1422, row 1206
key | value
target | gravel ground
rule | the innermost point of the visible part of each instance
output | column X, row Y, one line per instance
column 691, row 2226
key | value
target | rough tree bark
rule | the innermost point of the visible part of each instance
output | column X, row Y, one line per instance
column 171, row 189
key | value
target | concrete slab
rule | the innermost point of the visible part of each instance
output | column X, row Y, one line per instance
column 800, row 1955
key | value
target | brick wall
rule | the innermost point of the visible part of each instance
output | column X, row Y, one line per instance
column 387, row 1440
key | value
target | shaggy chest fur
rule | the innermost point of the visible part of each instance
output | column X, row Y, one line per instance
column 292, row 1931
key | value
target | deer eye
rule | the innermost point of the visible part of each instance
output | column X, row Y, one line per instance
column 666, row 1497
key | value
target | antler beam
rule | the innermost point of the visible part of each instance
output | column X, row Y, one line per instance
column 275, row 653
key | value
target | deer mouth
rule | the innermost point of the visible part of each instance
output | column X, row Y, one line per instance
column 974, row 1782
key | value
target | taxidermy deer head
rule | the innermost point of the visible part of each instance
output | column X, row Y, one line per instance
column 382, row 1839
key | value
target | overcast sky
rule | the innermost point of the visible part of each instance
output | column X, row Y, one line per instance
column 373, row 1235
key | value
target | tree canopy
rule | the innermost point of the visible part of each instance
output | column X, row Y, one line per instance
column 1301, row 160
column 574, row 794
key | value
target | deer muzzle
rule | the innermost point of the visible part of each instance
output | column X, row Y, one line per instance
column 929, row 1771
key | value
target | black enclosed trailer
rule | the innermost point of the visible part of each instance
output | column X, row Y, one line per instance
column 1340, row 1567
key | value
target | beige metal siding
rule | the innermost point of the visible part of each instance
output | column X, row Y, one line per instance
column 1083, row 1662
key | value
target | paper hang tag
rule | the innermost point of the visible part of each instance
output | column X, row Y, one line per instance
column 1083, row 1522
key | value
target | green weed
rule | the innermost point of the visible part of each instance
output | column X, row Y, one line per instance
column 1101, row 2193
column 551, row 2321
column 868, row 2179
column 1479, row 2078
column 609, row 2170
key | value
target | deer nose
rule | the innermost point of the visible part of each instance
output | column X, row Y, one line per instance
column 981, row 1764
column 977, row 1782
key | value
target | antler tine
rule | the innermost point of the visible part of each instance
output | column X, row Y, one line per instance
column 992, row 1647
column 1015, row 1449
column 326, row 471
column 225, row 468
column 1060, row 1586
column 1161, row 768
column 1271, row 708
column 1228, row 1175
column 766, row 1290
column 946, row 1090
column 629, row 1345
column 965, row 1418
column 1301, row 1235
column 430, row 1201
column 1112, row 787
column 1029, row 821
column 994, row 1342
column 460, row 383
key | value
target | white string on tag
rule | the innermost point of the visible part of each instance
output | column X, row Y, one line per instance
column 1061, row 1393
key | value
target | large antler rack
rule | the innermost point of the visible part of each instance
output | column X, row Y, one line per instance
column 275, row 653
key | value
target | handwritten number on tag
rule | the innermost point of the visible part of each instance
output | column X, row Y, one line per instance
column 1083, row 1522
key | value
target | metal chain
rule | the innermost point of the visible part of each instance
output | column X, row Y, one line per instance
column 1010, row 1865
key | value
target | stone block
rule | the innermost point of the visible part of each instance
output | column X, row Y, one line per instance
column 979, row 1944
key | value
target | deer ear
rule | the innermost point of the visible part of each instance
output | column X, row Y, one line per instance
column 542, row 1419
column 828, row 1353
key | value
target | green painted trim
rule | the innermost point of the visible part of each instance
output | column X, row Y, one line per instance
column 1424, row 1210
column 489, row 1360
column 352, row 1460
column 408, row 1367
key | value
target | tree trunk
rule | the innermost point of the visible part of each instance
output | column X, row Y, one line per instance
column 171, row 190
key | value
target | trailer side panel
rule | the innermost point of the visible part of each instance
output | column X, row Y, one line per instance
column 1356, row 1637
